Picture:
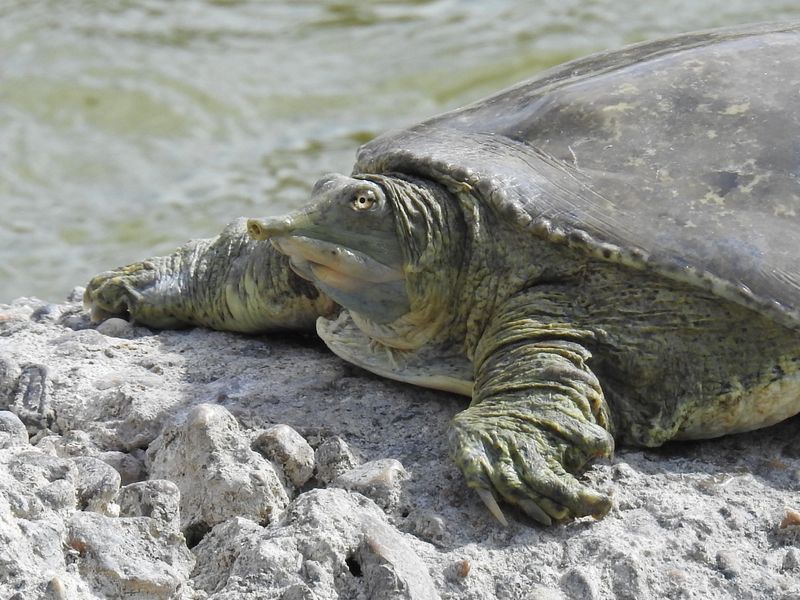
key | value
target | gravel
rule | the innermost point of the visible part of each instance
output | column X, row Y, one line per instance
column 197, row 464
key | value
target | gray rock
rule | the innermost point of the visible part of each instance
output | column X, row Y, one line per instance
column 73, row 443
column 118, row 328
column 380, row 480
column 97, row 485
column 284, row 446
column 728, row 563
column 209, row 458
column 218, row 552
column 9, row 376
column 426, row 525
column 331, row 544
column 36, row 483
column 128, row 557
column 130, row 468
column 30, row 400
column 333, row 458
column 580, row 584
column 12, row 430
column 157, row 498
column 791, row 561
column 628, row 580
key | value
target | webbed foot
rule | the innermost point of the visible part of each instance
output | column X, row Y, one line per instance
column 527, row 460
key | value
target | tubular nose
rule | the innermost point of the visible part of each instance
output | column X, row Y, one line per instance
column 263, row 229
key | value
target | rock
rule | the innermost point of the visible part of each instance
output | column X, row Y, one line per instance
column 73, row 443
column 283, row 445
column 426, row 525
column 9, row 376
column 157, row 498
column 128, row 557
column 331, row 544
column 12, row 430
column 218, row 552
column 791, row 561
column 30, row 399
column 97, row 485
column 130, row 468
column 118, row 328
column 628, row 581
column 333, row 458
column 580, row 584
column 209, row 458
column 379, row 480
column 728, row 563
column 36, row 483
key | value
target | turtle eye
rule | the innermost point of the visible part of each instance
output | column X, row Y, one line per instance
column 364, row 200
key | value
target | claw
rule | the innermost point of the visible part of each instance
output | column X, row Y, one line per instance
column 535, row 512
column 491, row 504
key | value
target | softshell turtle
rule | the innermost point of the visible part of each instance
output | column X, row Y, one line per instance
column 606, row 251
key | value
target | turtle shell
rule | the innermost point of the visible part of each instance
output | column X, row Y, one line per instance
column 680, row 155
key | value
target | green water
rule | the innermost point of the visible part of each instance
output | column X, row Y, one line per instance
column 127, row 127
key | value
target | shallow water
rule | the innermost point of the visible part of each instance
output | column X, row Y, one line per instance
column 127, row 127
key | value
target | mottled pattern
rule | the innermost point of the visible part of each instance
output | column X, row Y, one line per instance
column 682, row 154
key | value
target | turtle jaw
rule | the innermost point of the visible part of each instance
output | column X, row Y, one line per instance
column 332, row 264
column 352, row 278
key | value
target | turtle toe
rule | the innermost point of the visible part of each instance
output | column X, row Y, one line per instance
column 523, row 469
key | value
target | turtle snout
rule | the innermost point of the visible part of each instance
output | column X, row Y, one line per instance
column 263, row 229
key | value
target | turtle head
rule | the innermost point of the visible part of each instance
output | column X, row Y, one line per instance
column 346, row 243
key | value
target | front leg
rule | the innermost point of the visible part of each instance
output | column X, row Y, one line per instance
column 537, row 417
column 230, row 282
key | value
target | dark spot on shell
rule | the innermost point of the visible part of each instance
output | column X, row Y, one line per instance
column 726, row 181
column 577, row 237
column 685, row 103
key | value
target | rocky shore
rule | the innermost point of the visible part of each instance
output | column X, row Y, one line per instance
column 197, row 464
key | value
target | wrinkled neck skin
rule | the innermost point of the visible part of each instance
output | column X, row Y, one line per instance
column 432, row 235
column 460, row 261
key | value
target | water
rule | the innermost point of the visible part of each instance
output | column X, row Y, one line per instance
column 130, row 126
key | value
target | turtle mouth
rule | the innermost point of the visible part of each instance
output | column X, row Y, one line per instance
column 332, row 264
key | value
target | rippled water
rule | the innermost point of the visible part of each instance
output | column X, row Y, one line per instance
column 127, row 127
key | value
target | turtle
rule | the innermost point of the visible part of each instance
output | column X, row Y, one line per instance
column 604, row 254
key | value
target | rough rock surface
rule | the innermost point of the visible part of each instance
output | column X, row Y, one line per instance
column 196, row 464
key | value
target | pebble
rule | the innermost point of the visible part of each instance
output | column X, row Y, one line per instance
column 116, row 327
column 728, row 564
column 791, row 561
column 333, row 458
column 284, row 446
column 578, row 584
column 380, row 480
column 156, row 498
column 12, row 430
column 426, row 525
column 627, row 580
column 97, row 485
column 790, row 519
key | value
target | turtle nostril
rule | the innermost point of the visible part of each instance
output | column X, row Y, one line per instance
column 255, row 230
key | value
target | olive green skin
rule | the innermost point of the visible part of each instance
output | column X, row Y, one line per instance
column 606, row 251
